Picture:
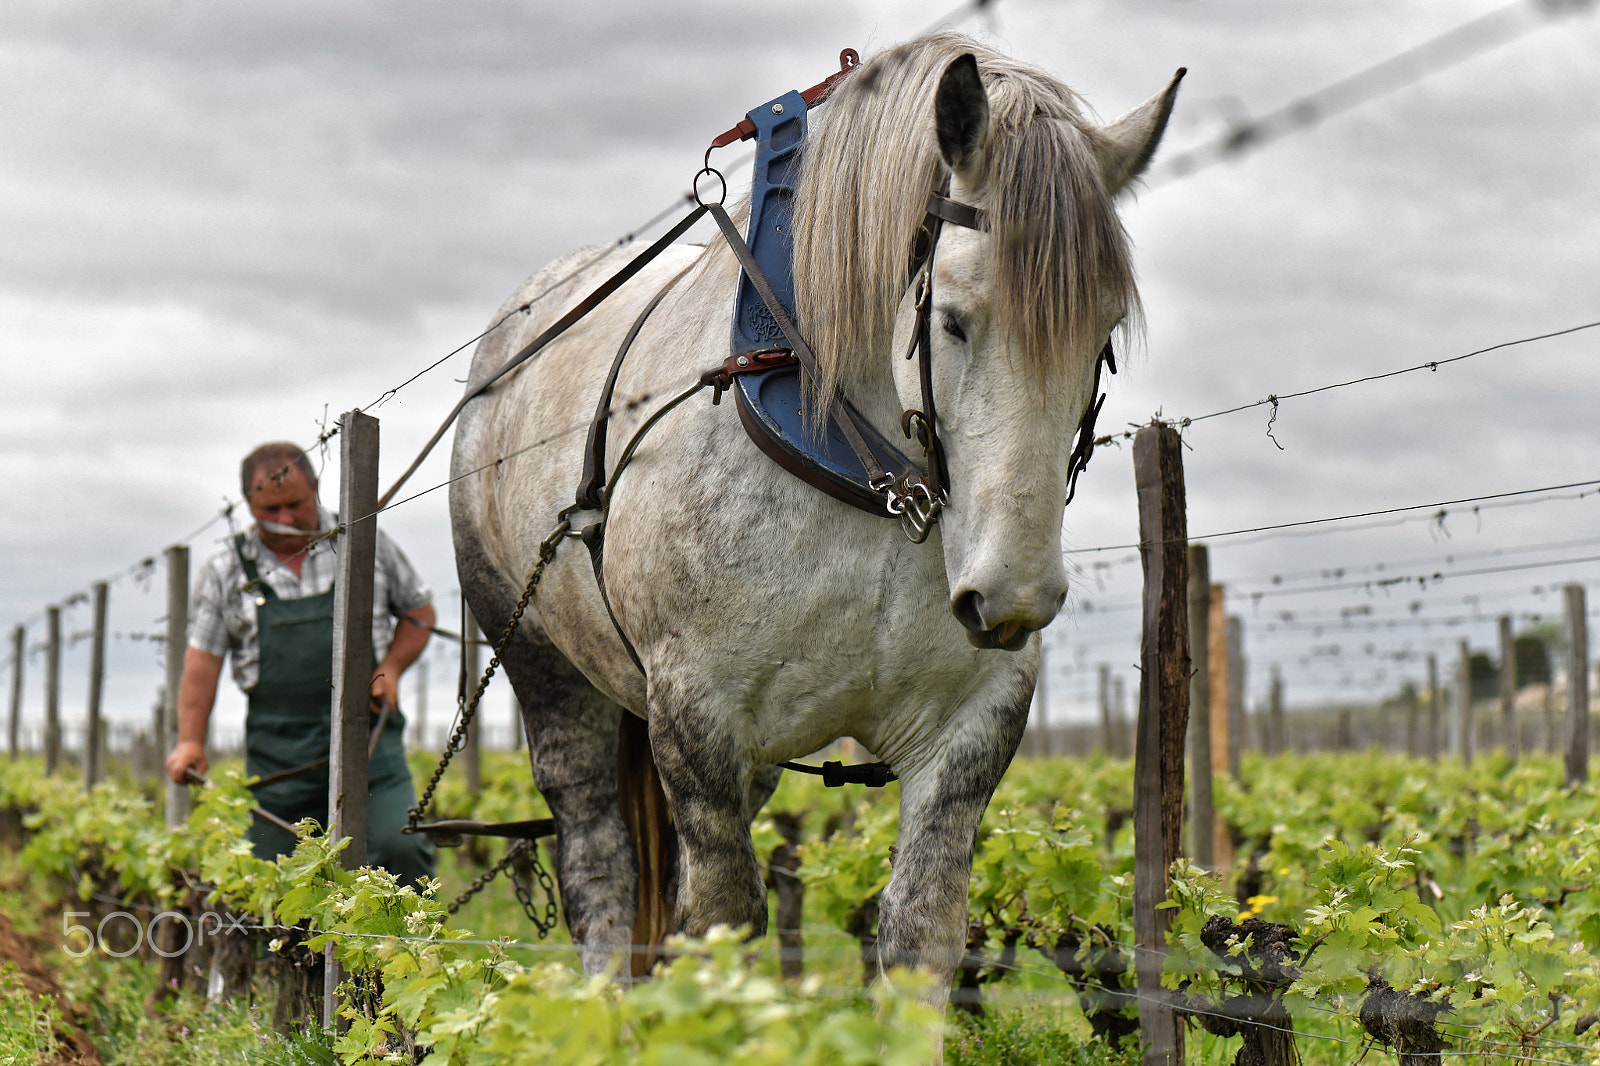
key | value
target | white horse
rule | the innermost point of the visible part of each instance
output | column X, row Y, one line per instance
column 768, row 618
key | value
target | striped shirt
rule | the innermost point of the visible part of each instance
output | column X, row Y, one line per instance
column 222, row 614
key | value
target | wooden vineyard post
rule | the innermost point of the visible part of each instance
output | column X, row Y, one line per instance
column 1108, row 739
column 1237, row 735
column 1222, row 740
column 1461, row 720
column 1275, row 713
column 52, row 691
column 93, row 741
column 177, row 795
column 1430, row 746
column 1119, row 716
column 177, row 640
column 1217, row 674
column 419, row 706
column 1508, row 689
column 1408, row 696
column 1202, row 816
column 1577, row 754
column 352, row 656
column 19, row 653
column 1163, row 721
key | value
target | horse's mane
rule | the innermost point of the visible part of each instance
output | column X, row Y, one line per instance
column 871, row 159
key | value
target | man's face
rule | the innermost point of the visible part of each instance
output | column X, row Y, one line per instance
column 284, row 497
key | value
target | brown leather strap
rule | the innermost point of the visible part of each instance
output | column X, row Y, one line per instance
column 537, row 345
column 802, row 351
column 942, row 207
column 593, row 483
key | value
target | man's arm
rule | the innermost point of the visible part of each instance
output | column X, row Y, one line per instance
column 411, row 635
column 197, row 694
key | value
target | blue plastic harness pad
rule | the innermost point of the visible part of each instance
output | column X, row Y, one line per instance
column 769, row 401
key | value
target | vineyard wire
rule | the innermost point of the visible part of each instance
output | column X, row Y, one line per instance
column 1433, row 364
column 1345, row 613
column 604, row 250
column 630, row 404
column 1339, row 571
column 1361, row 514
column 1439, row 577
column 1355, row 89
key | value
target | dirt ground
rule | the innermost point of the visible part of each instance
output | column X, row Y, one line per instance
column 75, row 1047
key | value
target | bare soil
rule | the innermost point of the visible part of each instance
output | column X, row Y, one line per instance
column 75, row 1048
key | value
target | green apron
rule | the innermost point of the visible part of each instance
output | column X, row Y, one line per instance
column 288, row 724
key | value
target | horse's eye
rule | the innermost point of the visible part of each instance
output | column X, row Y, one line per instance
column 952, row 326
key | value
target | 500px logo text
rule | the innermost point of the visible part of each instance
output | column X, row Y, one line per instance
column 195, row 929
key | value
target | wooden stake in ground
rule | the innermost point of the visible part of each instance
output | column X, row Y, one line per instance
column 92, row 736
column 1217, row 674
column 177, row 647
column 1508, row 689
column 1202, row 816
column 1222, row 740
column 1461, row 721
column 1119, row 716
column 1108, row 737
column 19, row 651
column 352, row 655
column 52, row 691
column 1408, row 698
column 1577, row 687
column 419, row 706
column 1431, row 747
column 1237, row 735
column 1275, row 713
column 1163, row 721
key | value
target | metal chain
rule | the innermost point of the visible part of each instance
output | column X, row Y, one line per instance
column 458, row 736
column 543, row 924
column 525, row 892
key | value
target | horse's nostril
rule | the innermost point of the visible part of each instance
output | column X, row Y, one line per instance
column 968, row 608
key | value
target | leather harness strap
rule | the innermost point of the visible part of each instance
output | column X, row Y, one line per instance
column 591, row 488
column 801, row 350
column 923, row 424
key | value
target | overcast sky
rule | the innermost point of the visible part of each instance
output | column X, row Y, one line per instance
column 226, row 223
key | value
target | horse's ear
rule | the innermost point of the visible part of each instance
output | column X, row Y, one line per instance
column 961, row 114
column 1126, row 145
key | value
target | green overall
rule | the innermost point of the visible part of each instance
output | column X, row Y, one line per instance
column 288, row 725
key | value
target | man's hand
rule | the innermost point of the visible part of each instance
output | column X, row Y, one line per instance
column 385, row 689
column 186, row 755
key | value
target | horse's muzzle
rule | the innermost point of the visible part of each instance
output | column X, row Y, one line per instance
column 1009, row 635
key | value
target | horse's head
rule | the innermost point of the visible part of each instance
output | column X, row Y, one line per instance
column 1021, row 308
column 1020, row 313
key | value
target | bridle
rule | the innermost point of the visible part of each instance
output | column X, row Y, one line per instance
column 917, row 501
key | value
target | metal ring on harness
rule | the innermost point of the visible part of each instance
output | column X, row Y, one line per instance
column 709, row 169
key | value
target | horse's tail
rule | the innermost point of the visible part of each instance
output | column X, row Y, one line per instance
column 655, row 841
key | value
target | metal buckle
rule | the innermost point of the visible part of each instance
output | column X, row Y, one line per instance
column 915, row 505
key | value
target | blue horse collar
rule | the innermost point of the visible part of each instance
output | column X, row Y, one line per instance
column 766, row 377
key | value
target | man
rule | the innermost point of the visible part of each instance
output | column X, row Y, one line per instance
column 267, row 598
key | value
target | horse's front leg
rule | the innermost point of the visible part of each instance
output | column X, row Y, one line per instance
column 922, row 918
column 706, row 773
